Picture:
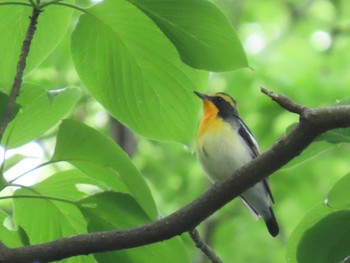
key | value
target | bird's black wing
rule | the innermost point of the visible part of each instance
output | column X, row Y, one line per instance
column 248, row 137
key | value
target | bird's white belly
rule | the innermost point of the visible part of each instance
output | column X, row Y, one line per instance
column 221, row 153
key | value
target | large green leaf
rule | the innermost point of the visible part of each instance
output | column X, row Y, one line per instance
column 339, row 195
column 134, row 71
column 201, row 33
column 317, row 228
column 52, row 27
column 87, row 148
column 310, row 219
column 111, row 211
column 328, row 241
column 45, row 220
column 40, row 111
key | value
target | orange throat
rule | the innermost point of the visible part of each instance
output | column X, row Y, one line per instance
column 209, row 116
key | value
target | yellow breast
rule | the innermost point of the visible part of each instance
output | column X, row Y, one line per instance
column 220, row 149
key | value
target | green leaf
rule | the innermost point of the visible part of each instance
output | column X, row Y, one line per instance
column 310, row 219
column 201, row 33
column 3, row 103
column 336, row 136
column 135, row 73
column 45, row 220
column 52, row 26
column 309, row 153
column 326, row 241
column 339, row 195
column 345, row 101
column 111, row 211
column 82, row 146
column 11, row 238
column 41, row 110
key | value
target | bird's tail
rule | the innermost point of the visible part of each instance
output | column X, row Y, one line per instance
column 271, row 224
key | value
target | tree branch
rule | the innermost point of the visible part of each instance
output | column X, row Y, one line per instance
column 312, row 123
column 16, row 86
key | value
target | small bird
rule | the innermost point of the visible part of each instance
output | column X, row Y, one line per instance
column 224, row 143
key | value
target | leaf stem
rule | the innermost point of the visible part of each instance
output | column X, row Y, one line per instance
column 66, row 5
column 23, row 186
column 26, row 172
column 16, row 3
column 50, row 3
column 45, row 197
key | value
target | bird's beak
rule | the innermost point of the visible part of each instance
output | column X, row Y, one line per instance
column 201, row 95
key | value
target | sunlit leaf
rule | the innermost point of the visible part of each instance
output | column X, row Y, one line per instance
column 134, row 71
column 13, row 160
column 201, row 33
column 82, row 146
column 52, row 26
column 11, row 238
column 41, row 110
column 65, row 184
column 108, row 178
column 326, row 241
column 339, row 195
column 112, row 211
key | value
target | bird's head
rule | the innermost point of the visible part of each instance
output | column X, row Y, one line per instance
column 219, row 103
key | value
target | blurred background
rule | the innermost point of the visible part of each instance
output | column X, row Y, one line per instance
column 296, row 47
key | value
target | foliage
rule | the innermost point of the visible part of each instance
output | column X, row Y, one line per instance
column 141, row 60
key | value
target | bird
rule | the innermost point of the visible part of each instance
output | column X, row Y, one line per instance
column 224, row 143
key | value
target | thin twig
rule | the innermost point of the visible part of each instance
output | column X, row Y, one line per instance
column 204, row 247
column 208, row 230
column 284, row 101
column 21, row 65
